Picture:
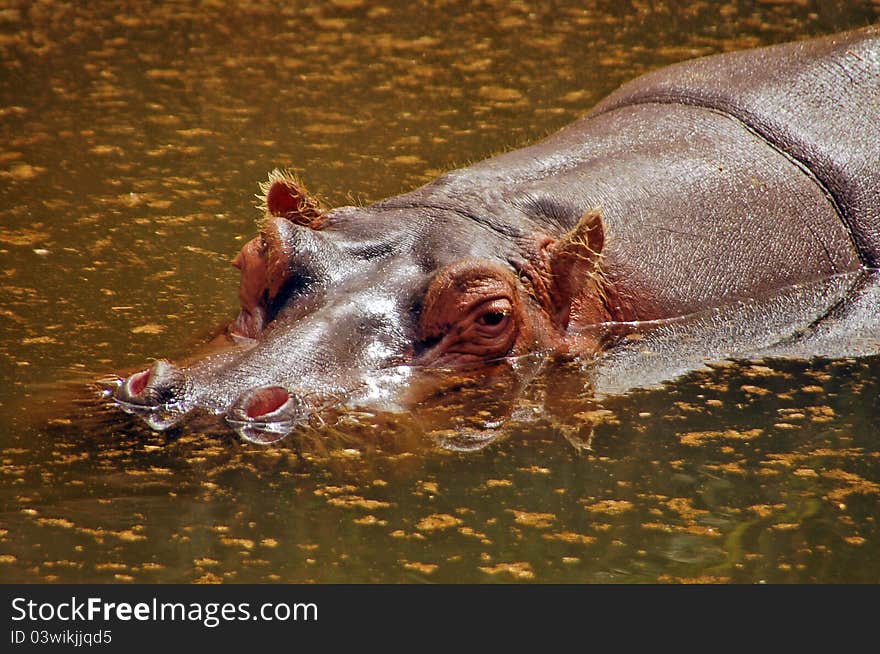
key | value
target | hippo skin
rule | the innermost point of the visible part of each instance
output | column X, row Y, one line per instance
column 727, row 177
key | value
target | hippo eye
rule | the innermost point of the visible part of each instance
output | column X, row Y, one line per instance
column 469, row 314
column 493, row 318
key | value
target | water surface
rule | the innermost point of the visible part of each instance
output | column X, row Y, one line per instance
column 131, row 143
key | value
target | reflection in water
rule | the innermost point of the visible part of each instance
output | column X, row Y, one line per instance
column 130, row 147
column 742, row 471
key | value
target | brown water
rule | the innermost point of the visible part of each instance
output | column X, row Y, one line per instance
column 131, row 142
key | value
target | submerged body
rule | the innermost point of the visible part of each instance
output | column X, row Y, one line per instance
column 697, row 186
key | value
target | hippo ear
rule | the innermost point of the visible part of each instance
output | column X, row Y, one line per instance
column 575, row 274
column 285, row 196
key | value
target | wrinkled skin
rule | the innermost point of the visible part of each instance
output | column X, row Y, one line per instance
column 723, row 178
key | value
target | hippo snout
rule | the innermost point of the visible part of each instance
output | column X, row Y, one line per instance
column 163, row 394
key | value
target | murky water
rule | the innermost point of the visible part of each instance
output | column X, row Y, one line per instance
column 131, row 142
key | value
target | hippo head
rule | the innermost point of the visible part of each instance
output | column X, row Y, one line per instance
column 375, row 306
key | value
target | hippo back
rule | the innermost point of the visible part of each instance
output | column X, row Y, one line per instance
column 816, row 101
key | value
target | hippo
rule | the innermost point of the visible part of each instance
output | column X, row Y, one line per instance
column 699, row 185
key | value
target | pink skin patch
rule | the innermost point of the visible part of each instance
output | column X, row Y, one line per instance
column 266, row 400
column 138, row 382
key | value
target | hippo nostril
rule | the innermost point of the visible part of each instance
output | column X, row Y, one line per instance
column 137, row 382
column 267, row 414
column 269, row 404
column 160, row 384
column 155, row 394
column 264, row 401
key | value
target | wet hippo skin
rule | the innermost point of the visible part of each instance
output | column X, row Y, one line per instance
column 722, row 178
